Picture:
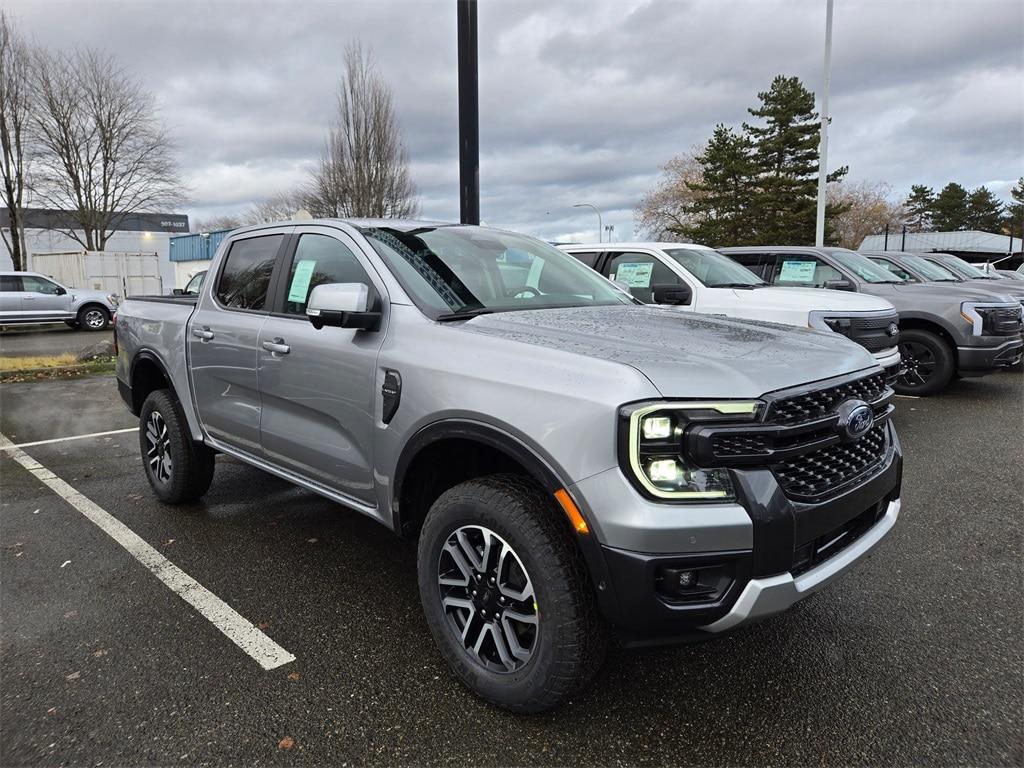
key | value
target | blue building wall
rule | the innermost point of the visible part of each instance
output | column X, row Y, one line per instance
column 197, row 247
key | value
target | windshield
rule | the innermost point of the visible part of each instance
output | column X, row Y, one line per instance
column 965, row 268
column 714, row 269
column 930, row 270
column 864, row 268
column 471, row 270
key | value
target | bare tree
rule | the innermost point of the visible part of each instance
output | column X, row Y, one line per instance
column 278, row 207
column 364, row 167
column 15, row 106
column 866, row 208
column 665, row 210
column 102, row 153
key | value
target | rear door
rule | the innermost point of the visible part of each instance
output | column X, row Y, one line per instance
column 223, row 338
column 10, row 297
column 318, row 386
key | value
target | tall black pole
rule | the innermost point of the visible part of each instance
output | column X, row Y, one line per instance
column 469, row 115
column 903, row 242
column 886, row 246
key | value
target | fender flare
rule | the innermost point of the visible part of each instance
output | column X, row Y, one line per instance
column 930, row 319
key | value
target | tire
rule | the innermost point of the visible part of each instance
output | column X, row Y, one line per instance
column 93, row 317
column 179, row 469
column 928, row 361
column 568, row 640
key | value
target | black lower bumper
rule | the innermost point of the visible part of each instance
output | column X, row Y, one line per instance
column 789, row 537
column 977, row 361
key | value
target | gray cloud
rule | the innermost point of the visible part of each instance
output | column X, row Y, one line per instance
column 581, row 101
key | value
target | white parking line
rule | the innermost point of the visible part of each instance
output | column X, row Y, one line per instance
column 236, row 627
column 9, row 446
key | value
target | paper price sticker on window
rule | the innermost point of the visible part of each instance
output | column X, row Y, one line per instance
column 634, row 275
column 797, row 272
column 300, row 281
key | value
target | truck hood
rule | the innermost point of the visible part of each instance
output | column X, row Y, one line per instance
column 684, row 355
column 959, row 291
column 810, row 299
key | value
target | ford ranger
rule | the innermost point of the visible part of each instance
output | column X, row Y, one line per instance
column 574, row 465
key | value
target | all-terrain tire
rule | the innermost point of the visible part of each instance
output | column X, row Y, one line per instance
column 179, row 469
column 570, row 640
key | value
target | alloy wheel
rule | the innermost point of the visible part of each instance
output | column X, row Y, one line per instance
column 918, row 362
column 488, row 598
column 158, row 449
column 94, row 318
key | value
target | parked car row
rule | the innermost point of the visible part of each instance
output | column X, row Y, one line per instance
column 28, row 298
column 576, row 465
column 922, row 332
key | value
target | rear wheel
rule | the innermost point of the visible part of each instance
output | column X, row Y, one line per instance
column 927, row 361
column 93, row 318
column 178, row 469
column 506, row 596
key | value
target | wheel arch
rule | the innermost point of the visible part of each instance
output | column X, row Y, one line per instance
column 922, row 323
column 146, row 375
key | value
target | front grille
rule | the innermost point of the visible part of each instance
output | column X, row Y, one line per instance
column 1003, row 322
column 872, row 333
column 827, row 470
column 819, row 403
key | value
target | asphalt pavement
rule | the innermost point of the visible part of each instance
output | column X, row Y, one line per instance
column 57, row 339
column 913, row 658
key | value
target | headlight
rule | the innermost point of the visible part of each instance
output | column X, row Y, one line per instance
column 992, row 319
column 651, row 448
column 822, row 322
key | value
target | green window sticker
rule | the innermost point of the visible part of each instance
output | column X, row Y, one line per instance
column 635, row 275
column 797, row 272
column 300, row 281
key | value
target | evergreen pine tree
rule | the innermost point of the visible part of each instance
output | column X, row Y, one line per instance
column 949, row 211
column 721, row 209
column 919, row 206
column 786, row 155
column 1013, row 220
column 984, row 210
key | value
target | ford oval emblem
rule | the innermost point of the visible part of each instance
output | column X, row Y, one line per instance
column 893, row 329
column 855, row 419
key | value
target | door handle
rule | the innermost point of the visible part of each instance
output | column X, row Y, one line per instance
column 28, row 298
column 277, row 347
column 204, row 333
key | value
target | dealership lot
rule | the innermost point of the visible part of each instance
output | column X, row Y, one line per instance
column 914, row 657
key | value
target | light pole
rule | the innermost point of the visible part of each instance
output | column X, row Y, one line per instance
column 819, row 229
column 469, row 114
column 600, row 224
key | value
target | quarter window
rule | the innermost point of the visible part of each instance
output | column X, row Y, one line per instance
column 319, row 260
column 641, row 272
column 245, row 278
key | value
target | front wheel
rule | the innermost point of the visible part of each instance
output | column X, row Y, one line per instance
column 927, row 361
column 506, row 595
column 93, row 318
column 179, row 469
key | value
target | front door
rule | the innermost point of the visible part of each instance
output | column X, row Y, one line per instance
column 641, row 272
column 223, row 338
column 43, row 298
column 318, row 386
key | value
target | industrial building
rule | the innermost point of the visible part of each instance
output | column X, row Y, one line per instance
column 971, row 245
column 192, row 253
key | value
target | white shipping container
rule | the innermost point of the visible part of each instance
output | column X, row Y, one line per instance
column 126, row 274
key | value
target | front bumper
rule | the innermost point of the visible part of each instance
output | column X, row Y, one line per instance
column 764, row 553
column 979, row 360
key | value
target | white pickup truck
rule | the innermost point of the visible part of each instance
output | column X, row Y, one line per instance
column 700, row 279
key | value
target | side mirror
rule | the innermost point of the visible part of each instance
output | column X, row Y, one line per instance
column 671, row 293
column 178, row 292
column 342, row 305
column 838, row 285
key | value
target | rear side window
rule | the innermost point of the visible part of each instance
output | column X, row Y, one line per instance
column 896, row 269
column 589, row 258
column 320, row 259
column 10, row 283
column 759, row 263
column 246, row 274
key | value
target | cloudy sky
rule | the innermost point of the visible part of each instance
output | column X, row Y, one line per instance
column 580, row 101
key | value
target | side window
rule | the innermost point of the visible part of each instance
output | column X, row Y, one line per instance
column 589, row 258
column 807, row 271
column 246, row 274
column 10, row 283
column 320, row 259
column 896, row 269
column 758, row 263
column 38, row 285
column 640, row 271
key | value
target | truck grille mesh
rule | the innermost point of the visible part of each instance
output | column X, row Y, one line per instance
column 872, row 333
column 823, row 402
column 827, row 470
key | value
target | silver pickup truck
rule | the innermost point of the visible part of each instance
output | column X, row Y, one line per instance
column 574, row 465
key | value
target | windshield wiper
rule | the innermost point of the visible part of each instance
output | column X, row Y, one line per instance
column 464, row 314
column 737, row 285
